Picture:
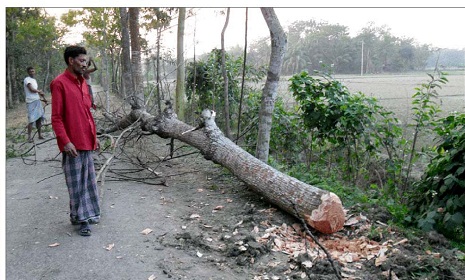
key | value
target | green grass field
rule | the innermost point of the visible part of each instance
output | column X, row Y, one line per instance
column 395, row 92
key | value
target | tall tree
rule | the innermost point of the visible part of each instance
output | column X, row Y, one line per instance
column 243, row 75
column 136, row 58
column 102, row 34
column 180, row 71
column 227, row 126
column 127, row 84
column 278, row 49
column 157, row 19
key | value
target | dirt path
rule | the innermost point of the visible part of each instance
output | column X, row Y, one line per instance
column 199, row 223
column 42, row 244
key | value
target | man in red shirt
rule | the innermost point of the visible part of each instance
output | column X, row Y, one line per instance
column 76, row 136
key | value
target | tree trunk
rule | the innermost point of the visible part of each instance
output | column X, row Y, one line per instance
column 136, row 58
column 225, row 79
column 278, row 49
column 9, row 103
column 158, row 70
column 319, row 208
column 243, row 77
column 180, row 71
column 127, row 86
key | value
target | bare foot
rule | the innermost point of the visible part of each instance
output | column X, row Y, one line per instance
column 41, row 137
column 30, row 140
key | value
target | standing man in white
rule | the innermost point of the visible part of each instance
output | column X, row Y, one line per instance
column 35, row 111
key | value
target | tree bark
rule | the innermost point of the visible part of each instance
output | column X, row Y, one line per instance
column 278, row 49
column 158, row 70
column 127, row 85
column 180, row 71
column 225, row 78
column 136, row 58
column 321, row 209
column 239, row 115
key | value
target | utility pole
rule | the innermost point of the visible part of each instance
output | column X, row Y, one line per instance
column 361, row 63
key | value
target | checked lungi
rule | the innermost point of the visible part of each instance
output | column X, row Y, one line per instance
column 35, row 111
column 82, row 187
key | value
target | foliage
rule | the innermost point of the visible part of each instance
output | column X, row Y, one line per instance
column 204, row 82
column 425, row 111
column 32, row 39
column 288, row 138
column 439, row 197
column 351, row 128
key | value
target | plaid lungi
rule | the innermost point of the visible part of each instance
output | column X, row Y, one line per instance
column 35, row 111
column 82, row 187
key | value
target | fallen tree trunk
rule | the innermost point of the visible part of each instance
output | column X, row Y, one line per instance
column 321, row 209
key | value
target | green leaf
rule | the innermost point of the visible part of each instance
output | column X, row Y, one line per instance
column 457, row 218
column 459, row 171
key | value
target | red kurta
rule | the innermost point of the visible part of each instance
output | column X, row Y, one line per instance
column 72, row 120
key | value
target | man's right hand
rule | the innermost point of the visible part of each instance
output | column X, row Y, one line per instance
column 69, row 149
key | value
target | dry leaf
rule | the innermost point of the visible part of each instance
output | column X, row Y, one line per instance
column 219, row 207
column 194, row 216
column 352, row 221
column 278, row 242
column 229, row 200
column 199, row 254
column 152, row 277
column 146, row 231
column 255, row 229
column 54, row 245
column 207, row 226
column 380, row 260
column 110, row 246
column 405, row 240
column 273, row 264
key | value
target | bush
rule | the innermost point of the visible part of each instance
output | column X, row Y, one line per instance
column 439, row 197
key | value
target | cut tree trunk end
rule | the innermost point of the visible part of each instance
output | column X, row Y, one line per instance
column 322, row 210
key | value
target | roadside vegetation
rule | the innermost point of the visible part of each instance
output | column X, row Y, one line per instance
column 348, row 143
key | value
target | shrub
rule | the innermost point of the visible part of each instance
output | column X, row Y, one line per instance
column 439, row 197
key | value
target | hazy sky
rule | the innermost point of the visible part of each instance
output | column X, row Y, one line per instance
column 438, row 26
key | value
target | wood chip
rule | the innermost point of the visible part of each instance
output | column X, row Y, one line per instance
column 194, row 216
column 219, row 207
column 110, row 246
column 146, row 231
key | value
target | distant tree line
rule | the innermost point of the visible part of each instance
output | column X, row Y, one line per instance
column 313, row 45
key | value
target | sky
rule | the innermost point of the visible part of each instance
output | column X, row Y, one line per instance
column 437, row 26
